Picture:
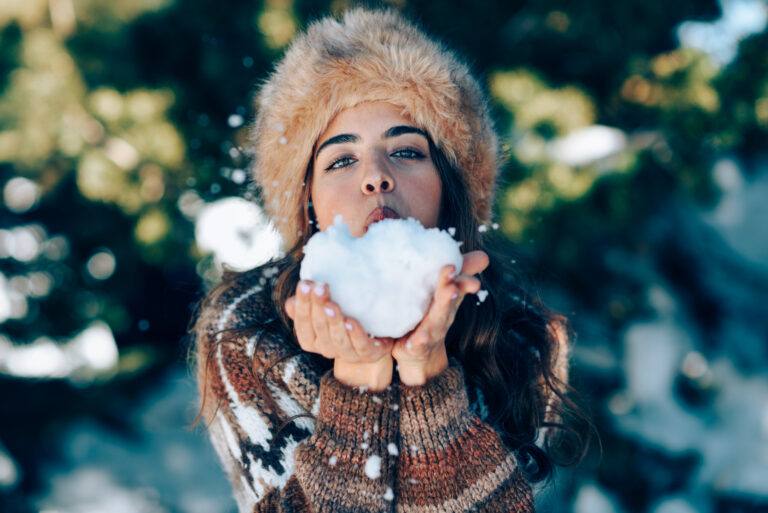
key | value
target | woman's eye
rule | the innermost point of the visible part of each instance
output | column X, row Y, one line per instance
column 339, row 163
column 408, row 153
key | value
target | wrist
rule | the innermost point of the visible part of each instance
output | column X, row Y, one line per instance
column 416, row 373
column 374, row 376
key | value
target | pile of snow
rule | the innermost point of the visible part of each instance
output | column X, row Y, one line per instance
column 384, row 279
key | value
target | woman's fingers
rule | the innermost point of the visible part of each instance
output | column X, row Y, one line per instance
column 357, row 337
column 302, row 321
column 467, row 284
column 360, row 343
column 331, row 333
column 338, row 335
column 474, row 262
column 321, row 328
column 446, row 296
column 319, row 316
column 450, row 292
column 451, row 288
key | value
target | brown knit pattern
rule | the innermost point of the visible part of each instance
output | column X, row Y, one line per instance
column 404, row 449
column 451, row 460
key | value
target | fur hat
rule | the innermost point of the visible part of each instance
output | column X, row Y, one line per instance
column 367, row 56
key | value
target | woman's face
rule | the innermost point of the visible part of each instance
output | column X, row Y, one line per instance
column 370, row 164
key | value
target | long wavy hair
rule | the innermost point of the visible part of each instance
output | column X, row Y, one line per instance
column 509, row 345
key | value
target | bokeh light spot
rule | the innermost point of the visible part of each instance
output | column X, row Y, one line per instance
column 20, row 194
column 237, row 232
column 152, row 227
column 278, row 27
column 102, row 264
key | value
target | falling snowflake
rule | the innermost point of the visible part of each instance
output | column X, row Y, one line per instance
column 373, row 467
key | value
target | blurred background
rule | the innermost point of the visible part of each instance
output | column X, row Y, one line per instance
column 635, row 199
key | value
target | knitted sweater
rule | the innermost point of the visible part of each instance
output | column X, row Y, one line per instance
column 406, row 449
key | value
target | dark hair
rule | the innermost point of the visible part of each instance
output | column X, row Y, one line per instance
column 510, row 345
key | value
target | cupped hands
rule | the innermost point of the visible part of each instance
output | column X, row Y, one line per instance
column 360, row 360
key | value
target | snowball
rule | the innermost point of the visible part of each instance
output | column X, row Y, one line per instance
column 481, row 295
column 373, row 467
column 392, row 449
column 389, row 495
column 384, row 279
column 332, row 460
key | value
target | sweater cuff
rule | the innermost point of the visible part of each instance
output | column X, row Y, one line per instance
column 354, row 420
column 433, row 413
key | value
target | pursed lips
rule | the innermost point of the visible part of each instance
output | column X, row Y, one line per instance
column 379, row 214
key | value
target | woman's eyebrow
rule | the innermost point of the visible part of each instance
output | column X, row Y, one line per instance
column 402, row 129
column 338, row 139
column 391, row 132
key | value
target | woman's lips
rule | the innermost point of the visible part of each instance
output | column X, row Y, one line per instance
column 379, row 214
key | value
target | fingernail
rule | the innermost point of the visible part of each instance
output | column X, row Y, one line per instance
column 319, row 290
column 329, row 311
column 304, row 287
column 349, row 326
column 455, row 296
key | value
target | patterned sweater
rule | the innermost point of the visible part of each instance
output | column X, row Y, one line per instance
column 408, row 449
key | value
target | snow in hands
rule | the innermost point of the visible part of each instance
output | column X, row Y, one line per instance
column 384, row 279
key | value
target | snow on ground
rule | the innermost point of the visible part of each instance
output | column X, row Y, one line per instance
column 167, row 467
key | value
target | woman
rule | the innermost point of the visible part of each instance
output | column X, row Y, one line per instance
column 368, row 118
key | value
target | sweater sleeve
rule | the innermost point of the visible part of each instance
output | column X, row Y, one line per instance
column 349, row 462
column 244, row 425
column 450, row 460
column 331, row 455
column 341, row 463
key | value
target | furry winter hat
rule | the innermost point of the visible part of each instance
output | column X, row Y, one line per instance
column 367, row 56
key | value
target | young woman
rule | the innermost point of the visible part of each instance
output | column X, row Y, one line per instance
column 368, row 118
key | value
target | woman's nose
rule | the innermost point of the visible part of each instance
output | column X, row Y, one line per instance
column 377, row 179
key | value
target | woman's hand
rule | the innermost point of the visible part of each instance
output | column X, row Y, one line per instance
column 421, row 353
column 320, row 327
